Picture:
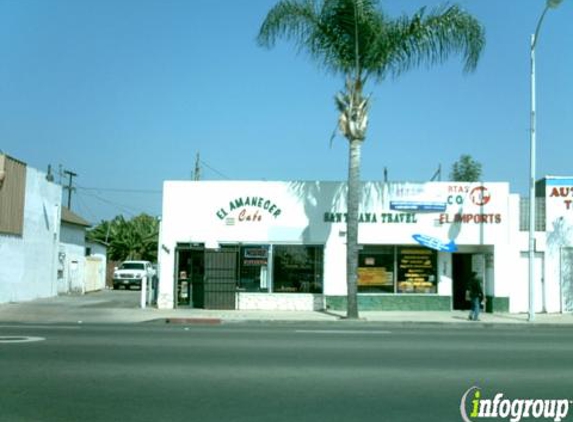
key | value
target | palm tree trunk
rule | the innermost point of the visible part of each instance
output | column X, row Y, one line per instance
column 353, row 202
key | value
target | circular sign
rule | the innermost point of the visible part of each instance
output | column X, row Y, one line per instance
column 480, row 196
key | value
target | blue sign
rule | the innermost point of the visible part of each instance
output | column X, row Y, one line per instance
column 423, row 206
column 434, row 243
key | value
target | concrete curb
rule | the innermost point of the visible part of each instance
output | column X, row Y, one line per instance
column 193, row 321
column 362, row 322
column 112, row 307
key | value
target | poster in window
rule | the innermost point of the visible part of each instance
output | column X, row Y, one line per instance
column 417, row 271
column 255, row 256
column 374, row 276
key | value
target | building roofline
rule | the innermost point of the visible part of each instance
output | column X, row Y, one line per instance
column 70, row 217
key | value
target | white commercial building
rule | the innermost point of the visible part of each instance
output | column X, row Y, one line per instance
column 42, row 244
column 282, row 245
column 554, row 245
column 29, row 232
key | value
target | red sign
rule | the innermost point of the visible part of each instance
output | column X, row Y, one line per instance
column 480, row 196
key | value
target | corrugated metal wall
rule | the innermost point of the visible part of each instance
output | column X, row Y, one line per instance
column 12, row 195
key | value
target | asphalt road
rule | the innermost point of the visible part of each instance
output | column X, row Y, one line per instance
column 273, row 372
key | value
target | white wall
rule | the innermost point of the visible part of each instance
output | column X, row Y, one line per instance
column 548, row 245
column 28, row 263
column 99, row 251
column 72, row 250
column 294, row 212
column 558, row 235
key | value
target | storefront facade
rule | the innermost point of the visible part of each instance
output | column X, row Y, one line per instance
column 554, row 247
column 282, row 245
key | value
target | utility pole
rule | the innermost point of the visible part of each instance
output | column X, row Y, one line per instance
column 69, row 188
column 197, row 172
column 50, row 176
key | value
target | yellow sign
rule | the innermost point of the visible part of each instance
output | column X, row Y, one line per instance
column 374, row 276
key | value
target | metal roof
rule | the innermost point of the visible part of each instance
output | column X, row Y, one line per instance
column 72, row 218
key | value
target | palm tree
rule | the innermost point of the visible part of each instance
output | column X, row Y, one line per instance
column 355, row 39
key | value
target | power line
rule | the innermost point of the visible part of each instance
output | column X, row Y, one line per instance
column 152, row 191
column 130, row 211
column 83, row 207
column 224, row 176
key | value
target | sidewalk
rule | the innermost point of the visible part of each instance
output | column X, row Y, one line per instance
column 108, row 307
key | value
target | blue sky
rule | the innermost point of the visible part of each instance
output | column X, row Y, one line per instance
column 125, row 93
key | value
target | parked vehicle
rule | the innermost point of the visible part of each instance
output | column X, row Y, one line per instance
column 130, row 273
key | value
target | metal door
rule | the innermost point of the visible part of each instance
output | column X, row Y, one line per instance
column 94, row 267
column 220, row 279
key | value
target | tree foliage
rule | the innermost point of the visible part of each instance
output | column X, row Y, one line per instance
column 128, row 239
column 466, row 169
column 356, row 39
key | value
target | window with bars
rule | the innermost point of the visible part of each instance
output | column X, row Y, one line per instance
column 539, row 214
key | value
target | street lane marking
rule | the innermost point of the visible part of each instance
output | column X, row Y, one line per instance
column 43, row 327
column 19, row 339
column 343, row 332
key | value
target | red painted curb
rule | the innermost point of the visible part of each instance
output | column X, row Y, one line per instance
column 207, row 321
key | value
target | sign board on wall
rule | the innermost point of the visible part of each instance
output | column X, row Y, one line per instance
column 419, row 206
column 559, row 199
column 434, row 243
column 248, row 209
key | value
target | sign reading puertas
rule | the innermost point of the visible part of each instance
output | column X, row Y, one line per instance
column 248, row 209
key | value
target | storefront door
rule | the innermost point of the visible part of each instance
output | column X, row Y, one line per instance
column 463, row 266
column 461, row 271
column 190, row 272
column 220, row 284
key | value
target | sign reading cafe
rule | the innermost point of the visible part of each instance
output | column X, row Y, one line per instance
column 249, row 208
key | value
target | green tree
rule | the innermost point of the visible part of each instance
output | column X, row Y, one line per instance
column 128, row 239
column 466, row 169
column 355, row 39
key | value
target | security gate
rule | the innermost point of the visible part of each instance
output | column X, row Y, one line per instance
column 220, row 280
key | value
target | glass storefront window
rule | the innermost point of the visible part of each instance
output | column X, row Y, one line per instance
column 253, row 268
column 376, row 269
column 297, row 269
column 417, row 270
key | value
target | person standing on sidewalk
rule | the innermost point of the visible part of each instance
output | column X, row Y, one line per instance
column 476, row 296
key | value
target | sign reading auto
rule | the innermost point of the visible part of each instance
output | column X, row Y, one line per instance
column 479, row 196
column 248, row 209
column 563, row 193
